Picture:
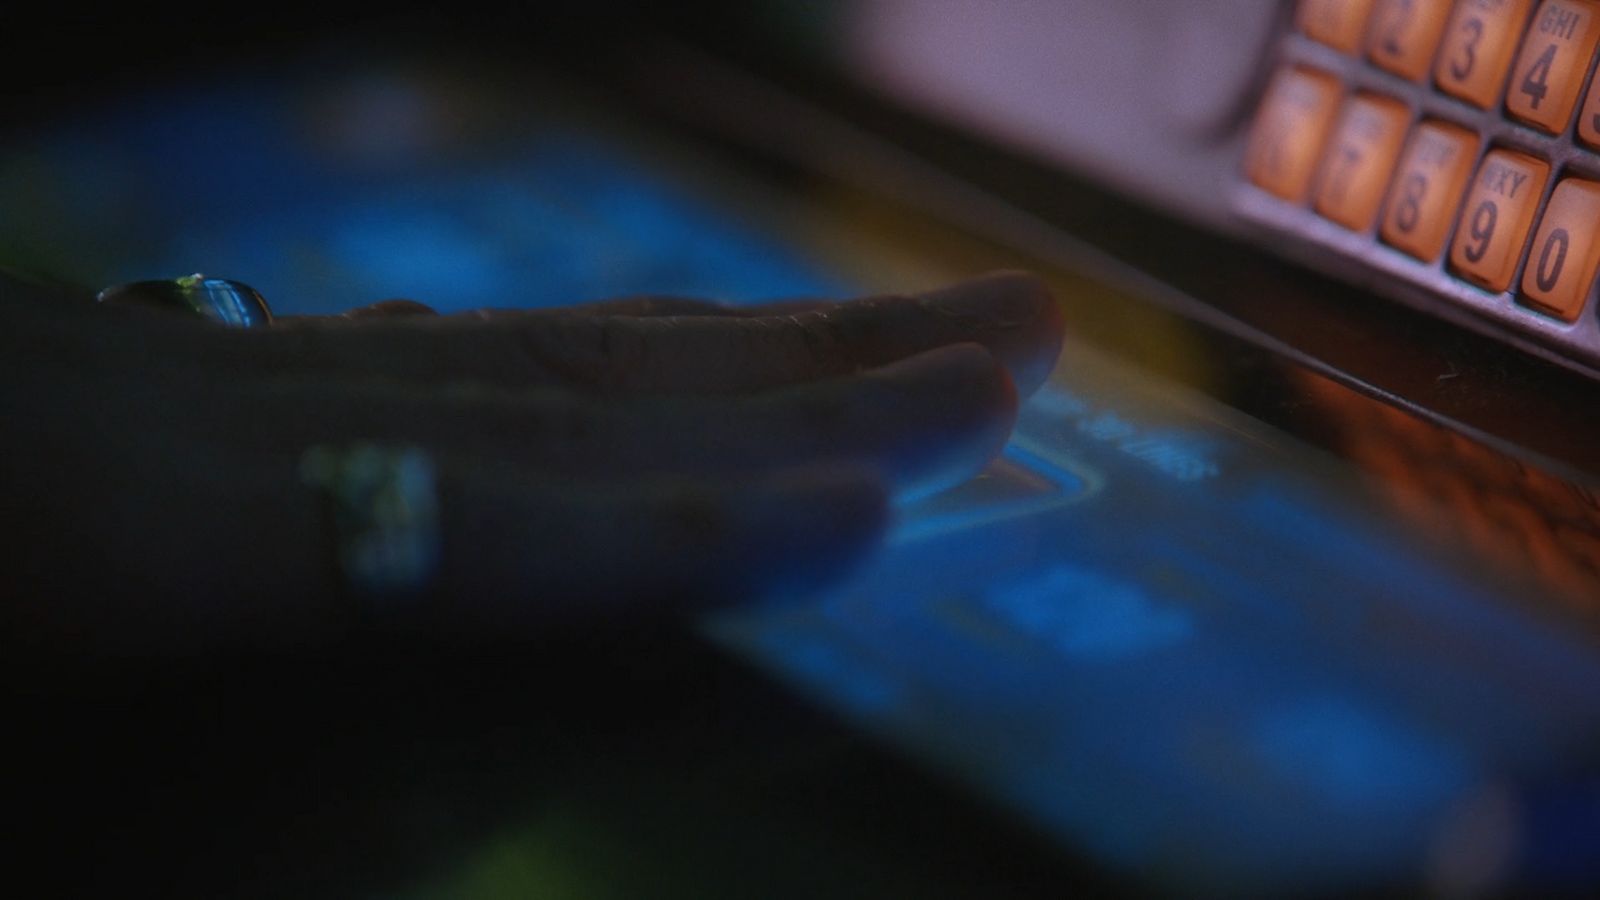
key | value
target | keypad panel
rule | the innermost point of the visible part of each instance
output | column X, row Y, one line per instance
column 1451, row 145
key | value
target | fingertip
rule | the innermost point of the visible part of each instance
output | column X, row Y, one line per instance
column 1015, row 314
column 1049, row 336
column 974, row 402
column 1036, row 325
column 969, row 375
column 964, row 361
column 1006, row 297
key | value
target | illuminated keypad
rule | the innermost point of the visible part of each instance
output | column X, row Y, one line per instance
column 1404, row 34
column 1566, row 250
column 1496, row 217
column 1337, row 23
column 1427, row 188
column 1289, row 132
column 1465, row 135
column 1477, row 49
column 1356, row 167
column 1555, row 58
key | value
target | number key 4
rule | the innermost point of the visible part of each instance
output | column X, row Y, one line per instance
column 1555, row 56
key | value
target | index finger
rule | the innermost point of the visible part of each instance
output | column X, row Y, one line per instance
column 1010, row 314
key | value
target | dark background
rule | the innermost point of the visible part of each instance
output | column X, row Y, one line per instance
column 51, row 55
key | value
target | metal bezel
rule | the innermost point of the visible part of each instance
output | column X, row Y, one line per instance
column 1431, row 285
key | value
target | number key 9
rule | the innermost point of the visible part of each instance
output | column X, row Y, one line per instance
column 1494, row 222
column 1555, row 56
column 1477, row 48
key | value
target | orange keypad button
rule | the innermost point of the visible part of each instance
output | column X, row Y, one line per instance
column 1555, row 56
column 1289, row 132
column 1566, row 251
column 1427, row 186
column 1477, row 48
column 1496, row 217
column 1359, row 160
column 1589, row 118
column 1337, row 23
column 1404, row 34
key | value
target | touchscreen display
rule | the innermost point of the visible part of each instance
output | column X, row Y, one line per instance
column 1201, row 649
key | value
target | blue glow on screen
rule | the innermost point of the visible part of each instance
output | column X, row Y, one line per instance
column 568, row 220
column 1354, row 756
column 1185, row 662
column 233, row 181
column 1086, row 615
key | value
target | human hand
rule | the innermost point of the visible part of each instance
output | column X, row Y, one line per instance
column 619, row 459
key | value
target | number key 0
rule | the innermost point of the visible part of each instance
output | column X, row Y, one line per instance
column 1495, row 220
column 1477, row 48
column 1555, row 56
column 1566, row 251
